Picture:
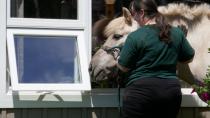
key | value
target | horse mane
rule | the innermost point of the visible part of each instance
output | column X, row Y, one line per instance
column 120, row 26
column 186, row 11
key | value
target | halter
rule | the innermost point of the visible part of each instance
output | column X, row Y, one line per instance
column 114, row 51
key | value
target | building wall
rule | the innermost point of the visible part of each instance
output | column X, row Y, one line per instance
column 89, row 113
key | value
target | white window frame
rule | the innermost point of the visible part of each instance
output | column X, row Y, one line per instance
column 78, row 23
column 82, row 56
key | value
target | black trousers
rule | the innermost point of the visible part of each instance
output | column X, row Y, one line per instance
column 152, row 98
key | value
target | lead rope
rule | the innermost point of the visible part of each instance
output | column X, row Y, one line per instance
column 119, row 85
column 119, row 97
column 115, row 52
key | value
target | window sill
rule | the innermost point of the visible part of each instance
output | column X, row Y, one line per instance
column 76, row 99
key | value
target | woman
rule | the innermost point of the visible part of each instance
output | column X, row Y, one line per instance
column 150, row 56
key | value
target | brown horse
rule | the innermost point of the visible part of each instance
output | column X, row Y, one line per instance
column 196, row 19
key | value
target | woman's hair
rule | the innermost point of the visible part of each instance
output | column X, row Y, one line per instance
column 150, row 11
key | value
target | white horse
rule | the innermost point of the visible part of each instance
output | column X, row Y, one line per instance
column 197, row 21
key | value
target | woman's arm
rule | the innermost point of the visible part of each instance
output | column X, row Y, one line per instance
column 122, row 68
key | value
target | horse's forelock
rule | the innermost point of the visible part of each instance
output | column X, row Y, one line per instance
column 114, row 26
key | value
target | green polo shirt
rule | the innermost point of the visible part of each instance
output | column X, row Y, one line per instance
column 148, row 57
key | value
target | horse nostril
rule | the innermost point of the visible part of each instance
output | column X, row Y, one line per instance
column 90, row 68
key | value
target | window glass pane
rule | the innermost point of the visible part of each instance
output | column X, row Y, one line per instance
column 51, row 9
column 42, row 59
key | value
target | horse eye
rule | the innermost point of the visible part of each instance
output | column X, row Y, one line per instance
column 117, row 36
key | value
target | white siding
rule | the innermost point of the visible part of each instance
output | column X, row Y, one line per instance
column 88, row 113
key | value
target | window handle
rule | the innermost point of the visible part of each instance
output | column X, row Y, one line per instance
column 45, row 92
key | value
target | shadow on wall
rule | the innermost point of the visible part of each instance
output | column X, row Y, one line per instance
column 50, row 100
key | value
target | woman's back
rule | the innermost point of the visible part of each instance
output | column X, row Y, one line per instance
column 148, row 56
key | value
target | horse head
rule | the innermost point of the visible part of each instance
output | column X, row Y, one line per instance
column 104, row 60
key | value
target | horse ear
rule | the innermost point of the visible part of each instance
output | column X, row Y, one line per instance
column 127, row 15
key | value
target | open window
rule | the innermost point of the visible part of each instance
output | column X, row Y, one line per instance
column 47, row 60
